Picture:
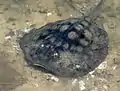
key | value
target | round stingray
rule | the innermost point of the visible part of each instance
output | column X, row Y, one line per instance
column 68, row 48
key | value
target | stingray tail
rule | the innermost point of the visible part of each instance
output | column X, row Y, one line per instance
column 95, row 12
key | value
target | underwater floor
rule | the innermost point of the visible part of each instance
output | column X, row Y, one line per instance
column 18, row 16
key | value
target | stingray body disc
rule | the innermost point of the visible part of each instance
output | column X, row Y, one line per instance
column 68, row 48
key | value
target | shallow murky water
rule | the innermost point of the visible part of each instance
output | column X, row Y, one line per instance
column 19, row 15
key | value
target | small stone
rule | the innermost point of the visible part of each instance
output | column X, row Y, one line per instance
column 93, row 76
column 94, row 46
column 27, row 30
column 85, row 23
column 83, row 42
column 49, row 36
column 42, row 45
column 87, row 79
column 87, row 19
column 59, row 43
column 103, row 65
column 114, row 67
column 106, row 87
column 73, row 48
column 91, row 72
column 66, row 46
column 71, row 15
column 7, row 37
column 87, row 34
column 90, row 53
column 73, row 21
column 36, row 85
column 96, row 39
column 53, row 78
column 45, row 33
column 85, row 57
column 77, row 66
column 55, row 54
column 82, row 85
column 78, row 27
column 52, row 39
column 79, row 49
column 48, row 14
column 74, row 82
column 63, row 28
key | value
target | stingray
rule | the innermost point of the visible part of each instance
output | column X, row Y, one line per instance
column 67, row 48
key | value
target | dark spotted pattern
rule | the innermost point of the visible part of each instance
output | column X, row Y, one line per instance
column 70, row 47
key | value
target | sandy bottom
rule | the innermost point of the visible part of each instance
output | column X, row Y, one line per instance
column 19, row 15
